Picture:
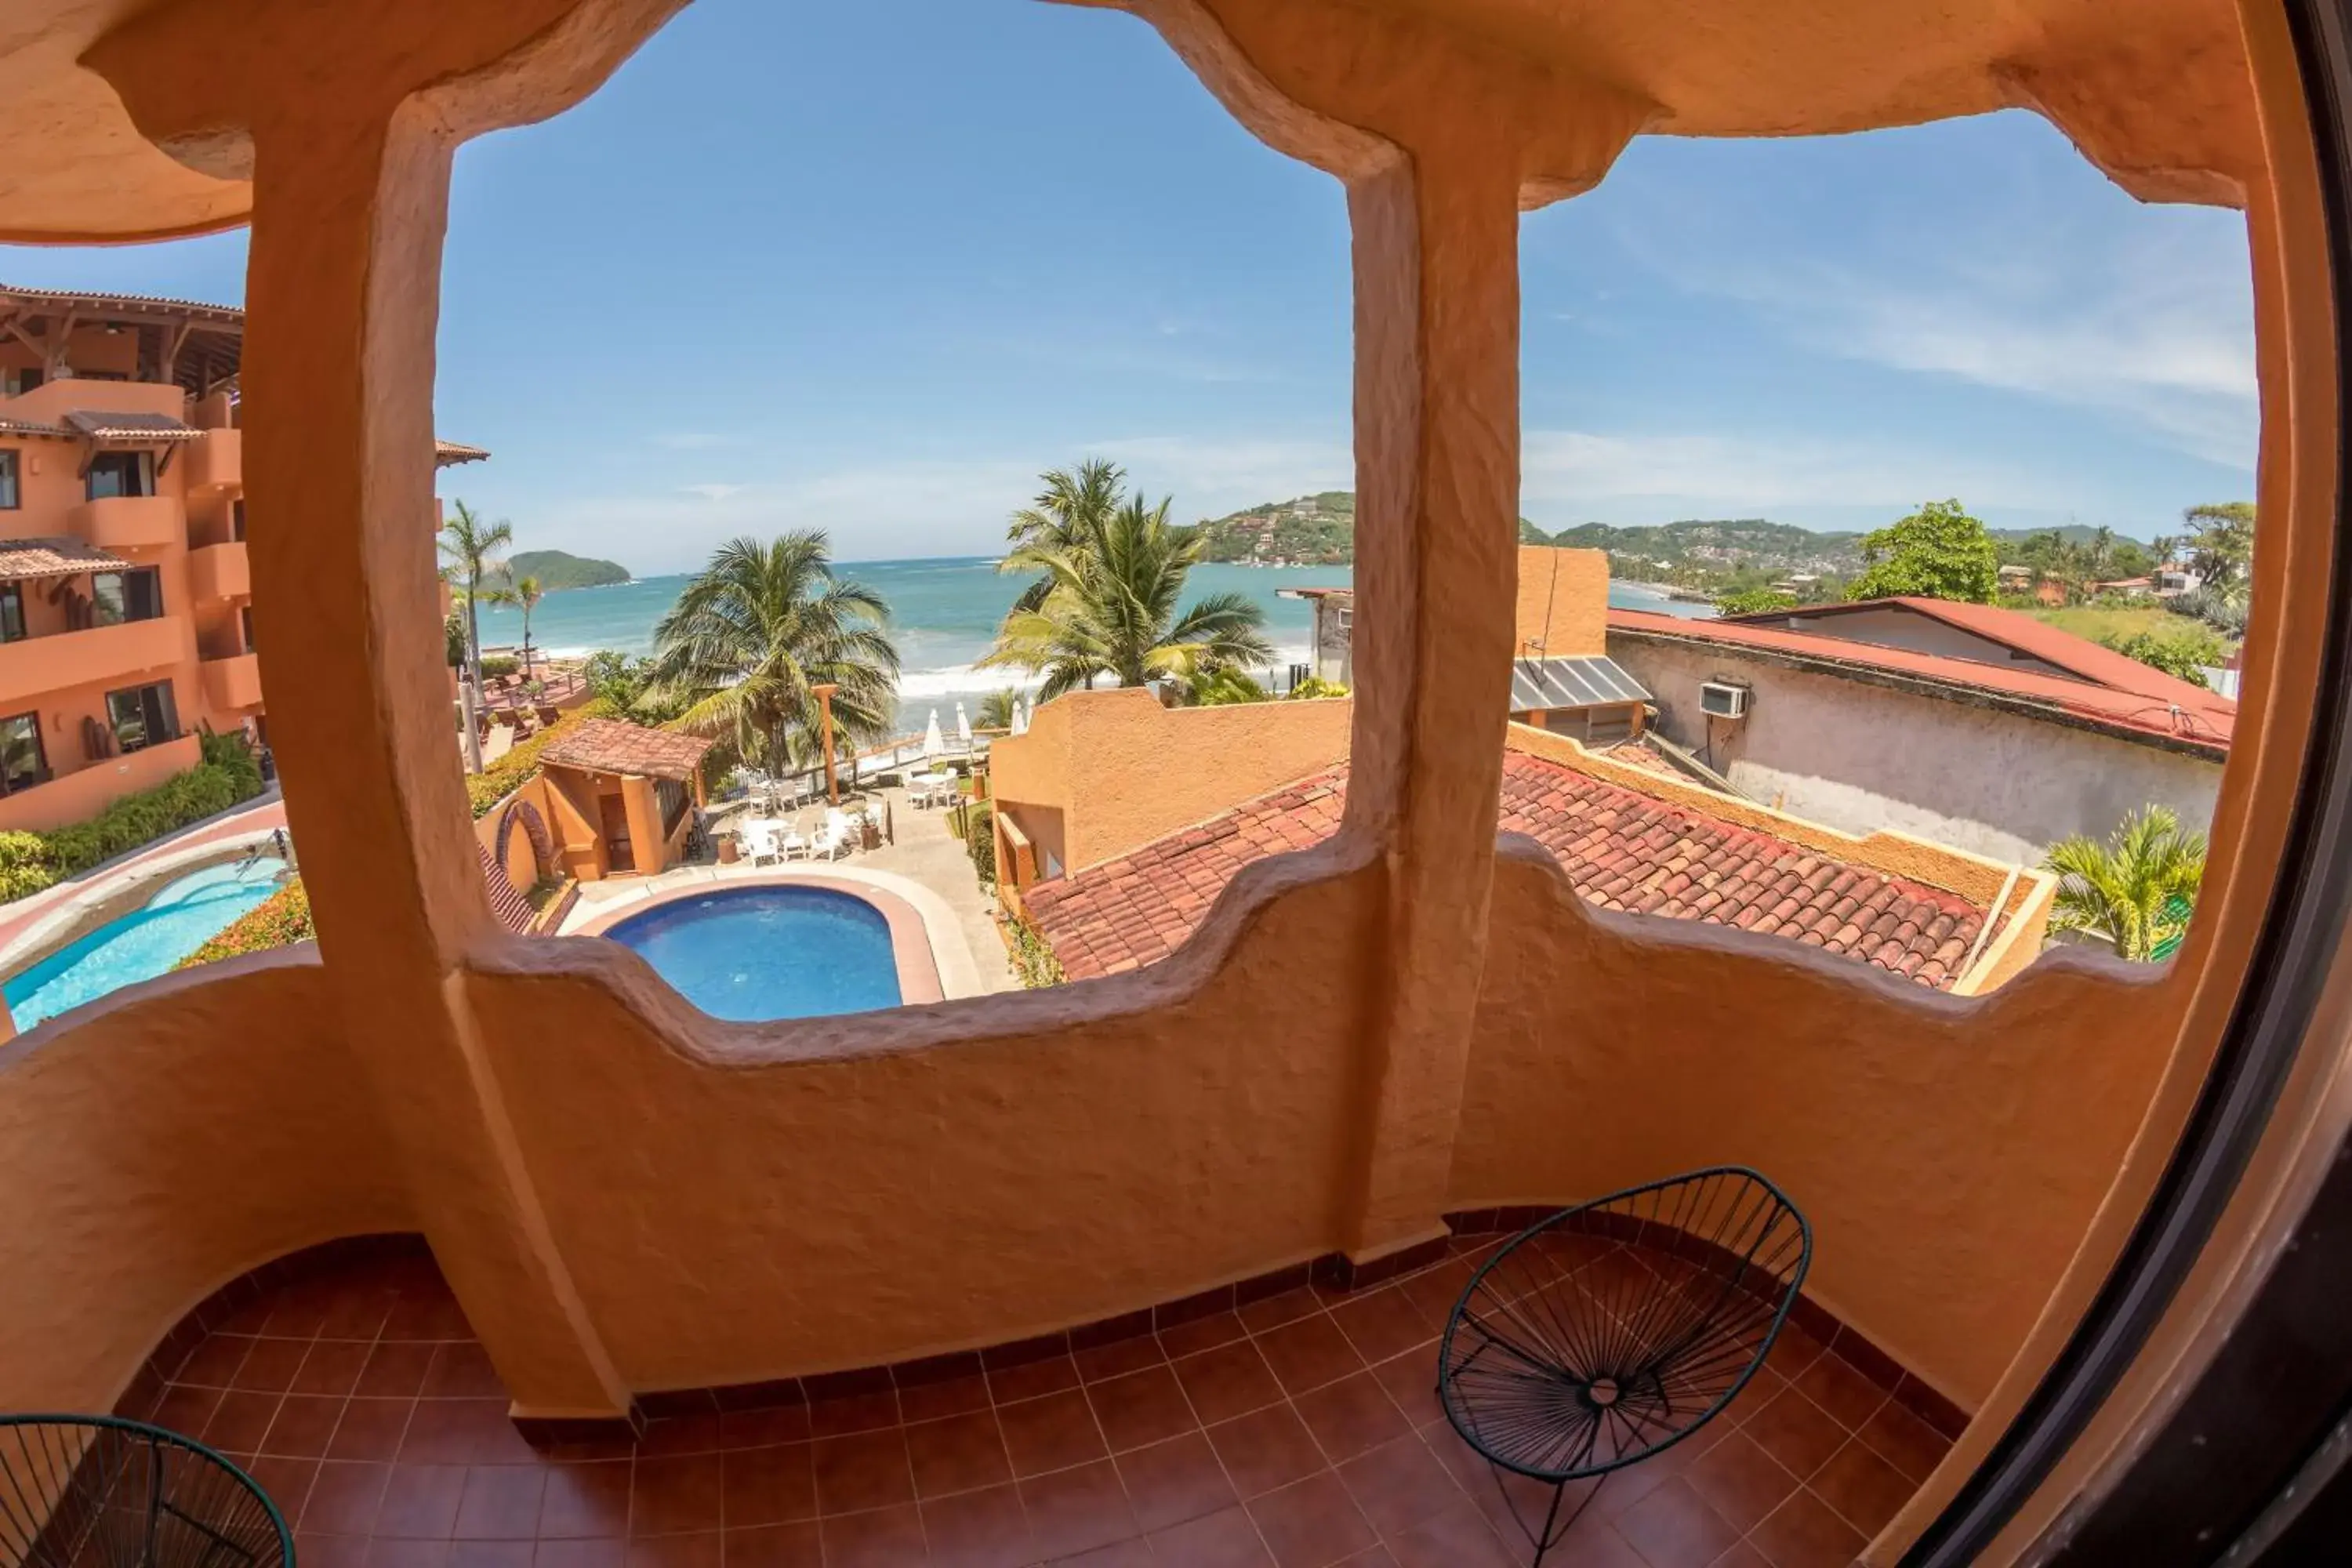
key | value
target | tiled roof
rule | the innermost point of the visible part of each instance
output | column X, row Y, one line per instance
column 1622, row 851
column 24, row 558
column 2153, row 705
column 100, row 425
column 30, row 427
column 448, row 452
column 102, row 304
column 609, row 746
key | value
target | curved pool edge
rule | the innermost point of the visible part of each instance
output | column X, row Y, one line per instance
column 912, row 940
column 100, row 900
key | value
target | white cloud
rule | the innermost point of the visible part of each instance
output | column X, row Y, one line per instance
column 694, row 440
column 713, row 492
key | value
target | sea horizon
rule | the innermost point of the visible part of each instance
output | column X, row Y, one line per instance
column 944, row 612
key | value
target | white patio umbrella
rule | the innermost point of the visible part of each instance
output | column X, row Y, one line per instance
column 1020, row 718
column 933, row 742
column 963, row 728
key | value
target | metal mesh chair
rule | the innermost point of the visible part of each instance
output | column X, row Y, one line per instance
column 97, row 1492
column 1614, row 1329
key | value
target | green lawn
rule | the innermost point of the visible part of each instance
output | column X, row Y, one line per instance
column 2100, row 622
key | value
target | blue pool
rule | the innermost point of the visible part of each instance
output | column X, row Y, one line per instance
column 750, row 954
column 189, row 911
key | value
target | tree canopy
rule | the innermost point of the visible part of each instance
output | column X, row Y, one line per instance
column 1937, row 553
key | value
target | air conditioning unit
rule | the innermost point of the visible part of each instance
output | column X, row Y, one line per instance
column 1718, row 701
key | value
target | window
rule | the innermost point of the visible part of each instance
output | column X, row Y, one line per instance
column 12, row 612
column 8, row 494
column 237, row 520
column 244, row 625
column 120, row 474
column 15, row 382
column 143, row 716
column 22, row 764
column 133, row 596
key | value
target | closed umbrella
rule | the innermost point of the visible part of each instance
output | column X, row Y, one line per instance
column 933, row 742
column 963, row 729
column 1020, row 718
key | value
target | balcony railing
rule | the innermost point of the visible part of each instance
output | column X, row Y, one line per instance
column 219, row 571
column 127, row 522
column 234, row 682
column 79, row 796
column 216, row 461
column 31, row 665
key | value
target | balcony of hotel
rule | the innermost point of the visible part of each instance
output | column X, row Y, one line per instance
column 130, row 523
column 220, row 572
column 215, row 460
column 464, row 1240
column 233, row 682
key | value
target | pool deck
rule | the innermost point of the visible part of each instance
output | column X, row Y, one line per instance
column 927, row 868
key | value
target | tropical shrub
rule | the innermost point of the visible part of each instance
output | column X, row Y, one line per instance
column 228, row 776
column 2225, row 613
column 980, row 842
column 498, row 666
column 500, row 779
column 282, row 919
column 24, row 865
column 1753, row 602
column 2136, row 889
column 1033, row 957
column 1222, row 688
column 2178, row 654
column 1315, row 687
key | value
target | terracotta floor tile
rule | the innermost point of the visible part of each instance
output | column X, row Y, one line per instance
column 1793, row 1351
column 695, row 1549
column 1905, row 1441
column 1309, row 1354
column 461, row 1370
column 1762, row 1387
column 677, row 1495
column 241, row 1420
column 985, row 1528
column 1834, row 1386
column 1074, row 1510
column 1266, row 1449
column 1865, row 1491
column 1134, row 1553
column 585, row 1500
column 1173, row 1481
column 865, row 1470
column 1398, row 1484
column 857, row 1412
column 1592, row 1542
column 359, row 1316
column 395, row 1551
column 1384, row 1323
column 953, row 1396
column 763, row 1546
column 1200, row 1334
column 501, row 1503
column 395, row 1371
column 696, row 1434
column 1121, row 1357
column 1229, row 1380
column 884, row 1537
column 343, row 1498
column 1376, row 1557
column 775, row 1485
column 331, row 1550
column 1351, row 1416
column 332, row 1367
column 764, row 1428
column 1412, row 1384
column 1455, row 1537
column 961, row 1454
column 1740, row 1481
column 304, row 1425
column 1675, row 1528
column 287, row 1482
column 214, row 1363
column 1311, row 1523
column 186, row 1409
column 269, row 1367
column 444, row 1432
column 420, row 1501
column 1048, row 1374
column 1050, row 1434
column 1225, row 1539
column 603, row 1553
column 465, row 1554
column 1742, row 1555
column 1273, row 1312
column 1797, row 1432
column 1805, row 1532
column 1143, row 1407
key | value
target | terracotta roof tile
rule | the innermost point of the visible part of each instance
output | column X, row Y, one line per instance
column 53, row 557
column 609, row 746
column 1621, row 849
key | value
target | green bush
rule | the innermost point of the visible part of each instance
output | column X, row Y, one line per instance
column 282, row 919
column 499, row 665
column 2180, row 654
column 484, row 790
column 1032, row 956
column 979, row 841
column 1315, row 687
column 1754, row 602
column 228, row 776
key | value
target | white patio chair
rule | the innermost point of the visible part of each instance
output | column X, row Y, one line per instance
column 792, row 843
column 760, row 844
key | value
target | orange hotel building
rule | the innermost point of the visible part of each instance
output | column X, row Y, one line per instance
column 126, row 608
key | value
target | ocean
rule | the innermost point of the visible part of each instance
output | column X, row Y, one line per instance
column 943, row 616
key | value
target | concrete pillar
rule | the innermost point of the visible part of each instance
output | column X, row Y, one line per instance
column 1437, row 452
column 644, row 811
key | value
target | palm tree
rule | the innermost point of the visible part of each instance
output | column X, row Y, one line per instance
column 2136, row 889
column 525, row 595
column 763, row 625
column 1110, row 608
column 470, row 546
column 996, row 710
column 1067, row 514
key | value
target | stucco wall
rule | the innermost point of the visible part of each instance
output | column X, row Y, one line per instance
column 1919, row 633
column 1123, row 771
column 1563, row 603
column 1949, row 1154
column 157, row 1148
column 1860, row 757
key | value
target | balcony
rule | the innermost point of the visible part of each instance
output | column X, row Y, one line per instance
column 219, row 571
column 233, row 683
column 50, row 401
column 59, row 662
column 216, row 461
column 130, row 523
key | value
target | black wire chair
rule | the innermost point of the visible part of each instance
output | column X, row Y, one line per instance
column 98, row 1491
column 1614, row 1329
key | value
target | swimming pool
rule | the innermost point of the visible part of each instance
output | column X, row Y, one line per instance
column 754, row 954
column 186, row 913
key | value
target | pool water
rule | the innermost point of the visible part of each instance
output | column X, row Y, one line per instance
column 189, row 911
column 752, row 953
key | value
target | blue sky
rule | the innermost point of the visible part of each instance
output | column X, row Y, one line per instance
column 871, row 268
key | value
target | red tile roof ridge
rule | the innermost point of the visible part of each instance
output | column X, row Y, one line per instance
column 2177, row 712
